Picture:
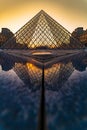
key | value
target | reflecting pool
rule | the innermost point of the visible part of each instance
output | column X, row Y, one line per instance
column 64, row 99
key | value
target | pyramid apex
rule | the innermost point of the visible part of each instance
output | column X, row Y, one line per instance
column 42, row 11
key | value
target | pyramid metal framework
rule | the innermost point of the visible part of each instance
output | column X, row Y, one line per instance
column 42, row 31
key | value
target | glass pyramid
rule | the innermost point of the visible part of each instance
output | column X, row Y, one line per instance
column 42, row 31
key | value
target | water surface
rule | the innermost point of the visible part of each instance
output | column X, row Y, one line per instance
column 65, row 83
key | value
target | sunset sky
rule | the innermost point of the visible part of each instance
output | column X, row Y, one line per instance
column 69, row 13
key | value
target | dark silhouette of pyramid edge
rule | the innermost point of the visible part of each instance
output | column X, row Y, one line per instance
column 41, row 11
column 42, row 31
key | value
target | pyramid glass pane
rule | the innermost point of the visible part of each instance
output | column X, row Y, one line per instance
column 42, row 31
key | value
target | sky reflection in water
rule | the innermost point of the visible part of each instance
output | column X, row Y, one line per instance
column 65, row 93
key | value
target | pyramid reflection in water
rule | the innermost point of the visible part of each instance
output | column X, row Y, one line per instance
column 55, row 76
column 42, row 31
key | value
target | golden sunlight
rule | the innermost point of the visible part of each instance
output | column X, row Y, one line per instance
column 14, row 14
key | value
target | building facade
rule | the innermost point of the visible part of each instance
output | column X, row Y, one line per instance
column 80, row 34
column 5, row 35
